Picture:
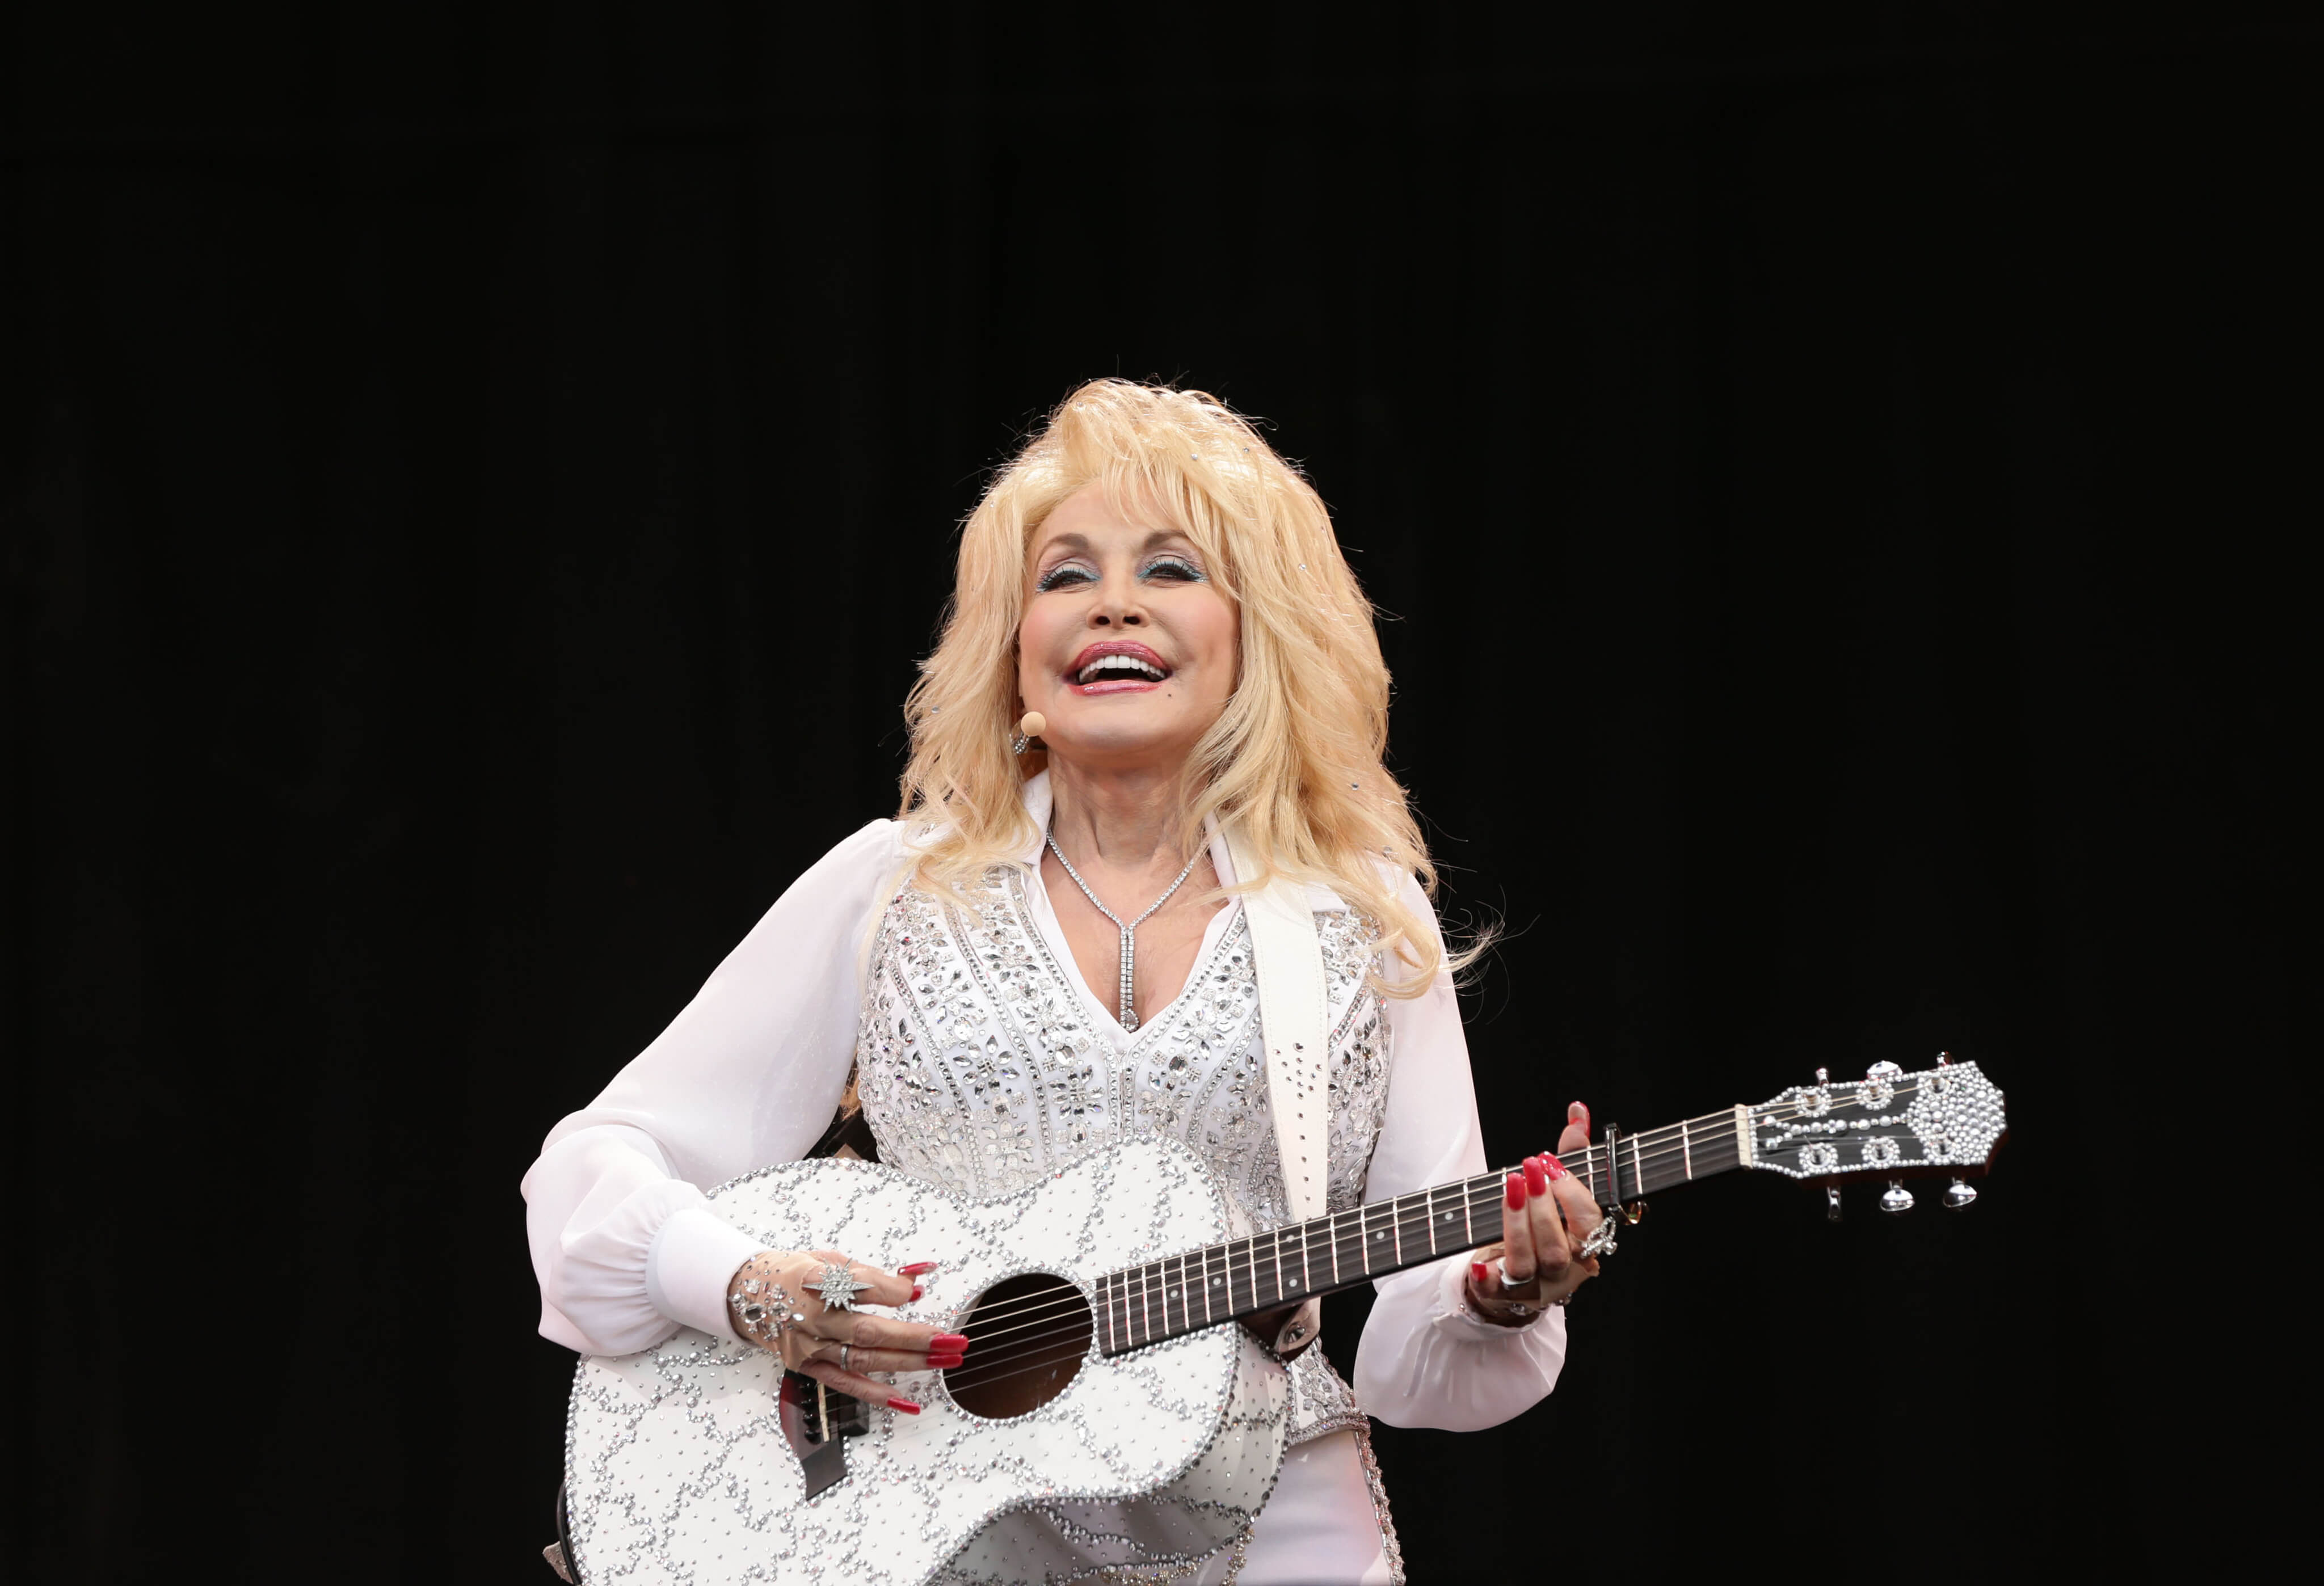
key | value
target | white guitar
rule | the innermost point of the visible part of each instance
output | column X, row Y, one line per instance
column 1109, row 1417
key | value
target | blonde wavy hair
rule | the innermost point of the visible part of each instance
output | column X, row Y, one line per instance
column 1293, row 766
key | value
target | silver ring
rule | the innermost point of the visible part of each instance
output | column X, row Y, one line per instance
column 838, row 1286
column 842, row 1357
column 1508, row 1282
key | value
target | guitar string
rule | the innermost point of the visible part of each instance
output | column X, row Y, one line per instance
column 1407, row 1220
column 1081, row 1330
column 1161, row 1285
column 1138, row 1312
column 1407, row 1216
column 1404, row 1214
column 1344, row 1241
column 980, row 1372
column 1342, row 1238
column 962, row 1377
column 1030, row 1316
column 1416, row 1222
column 1025, row 1315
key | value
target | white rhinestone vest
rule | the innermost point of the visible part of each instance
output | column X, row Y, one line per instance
column 981, row 1067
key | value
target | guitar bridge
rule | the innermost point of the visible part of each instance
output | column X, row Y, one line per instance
column 816, row 1423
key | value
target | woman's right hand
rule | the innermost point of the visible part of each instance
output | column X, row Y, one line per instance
column 773, row 1301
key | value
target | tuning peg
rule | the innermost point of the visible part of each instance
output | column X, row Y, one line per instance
column 1883, row 1070
column 1831, row 1203
column 1960, row 1197
column 1897, row 1200
column 1945, row 1059
column 1823, row 1076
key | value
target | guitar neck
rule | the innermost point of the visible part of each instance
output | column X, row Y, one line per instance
column 1183, row 1294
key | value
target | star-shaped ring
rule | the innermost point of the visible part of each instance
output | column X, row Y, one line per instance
column 838, row 1288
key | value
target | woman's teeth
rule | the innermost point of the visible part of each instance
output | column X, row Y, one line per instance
column 1117, row 663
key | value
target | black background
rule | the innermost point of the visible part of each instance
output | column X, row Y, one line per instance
column 475, row 489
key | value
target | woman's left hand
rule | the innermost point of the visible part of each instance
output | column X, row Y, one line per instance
column 1546, row 1217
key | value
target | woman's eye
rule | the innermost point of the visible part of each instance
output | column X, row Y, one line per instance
column 1060, row 576
column 1173, row 567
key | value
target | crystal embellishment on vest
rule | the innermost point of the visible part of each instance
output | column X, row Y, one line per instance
column 983, row 1067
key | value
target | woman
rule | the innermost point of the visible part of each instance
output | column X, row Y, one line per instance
column 1154, row 645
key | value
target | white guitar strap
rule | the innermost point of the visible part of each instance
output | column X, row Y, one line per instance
column 1294, row 1012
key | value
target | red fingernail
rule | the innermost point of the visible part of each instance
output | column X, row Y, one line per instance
column 951, row 1343
column 1516, row 1192
column 1479, row 1271
column 1556, row 1168
column 917, row 1291
column 1584, row 1119
column 1537, row 1180
column 905, row 1405
column 939, row 1362
column 916, row 1269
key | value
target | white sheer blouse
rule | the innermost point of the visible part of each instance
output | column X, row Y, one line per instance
column 626, row 1248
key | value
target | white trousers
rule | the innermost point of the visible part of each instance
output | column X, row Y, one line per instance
column 1319, row 1528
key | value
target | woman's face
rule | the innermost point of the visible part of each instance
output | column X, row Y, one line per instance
column 1126, row 646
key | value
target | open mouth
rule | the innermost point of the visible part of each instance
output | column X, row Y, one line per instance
column 1118, row 666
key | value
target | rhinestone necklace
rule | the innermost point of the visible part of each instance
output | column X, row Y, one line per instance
column 1129, row 1015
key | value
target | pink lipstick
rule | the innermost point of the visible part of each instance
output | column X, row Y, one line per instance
column 1116, row 666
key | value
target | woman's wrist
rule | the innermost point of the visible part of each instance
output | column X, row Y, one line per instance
column 1483, row 1297
column 761, row 1309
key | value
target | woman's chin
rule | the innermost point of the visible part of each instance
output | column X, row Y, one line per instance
column 1115, row 744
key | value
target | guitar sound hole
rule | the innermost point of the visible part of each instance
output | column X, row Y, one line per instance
column 1028, row 1336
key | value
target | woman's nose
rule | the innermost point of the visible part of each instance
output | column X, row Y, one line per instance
column 1119, row 608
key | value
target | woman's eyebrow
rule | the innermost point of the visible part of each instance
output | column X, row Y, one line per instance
column 1076, row 542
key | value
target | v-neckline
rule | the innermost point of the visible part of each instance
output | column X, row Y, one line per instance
column 1066, row 967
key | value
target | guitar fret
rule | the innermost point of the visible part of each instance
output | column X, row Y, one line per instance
column 1238, row 1277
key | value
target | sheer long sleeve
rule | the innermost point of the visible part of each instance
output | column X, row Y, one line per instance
column 748, row 1073
column 1425, row 1359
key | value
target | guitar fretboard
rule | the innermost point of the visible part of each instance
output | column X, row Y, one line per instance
column 1183, row 1294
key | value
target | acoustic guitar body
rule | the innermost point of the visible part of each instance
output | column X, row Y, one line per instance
column 1040, row 1459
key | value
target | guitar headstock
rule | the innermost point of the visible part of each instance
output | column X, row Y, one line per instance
column 1889, row 1124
